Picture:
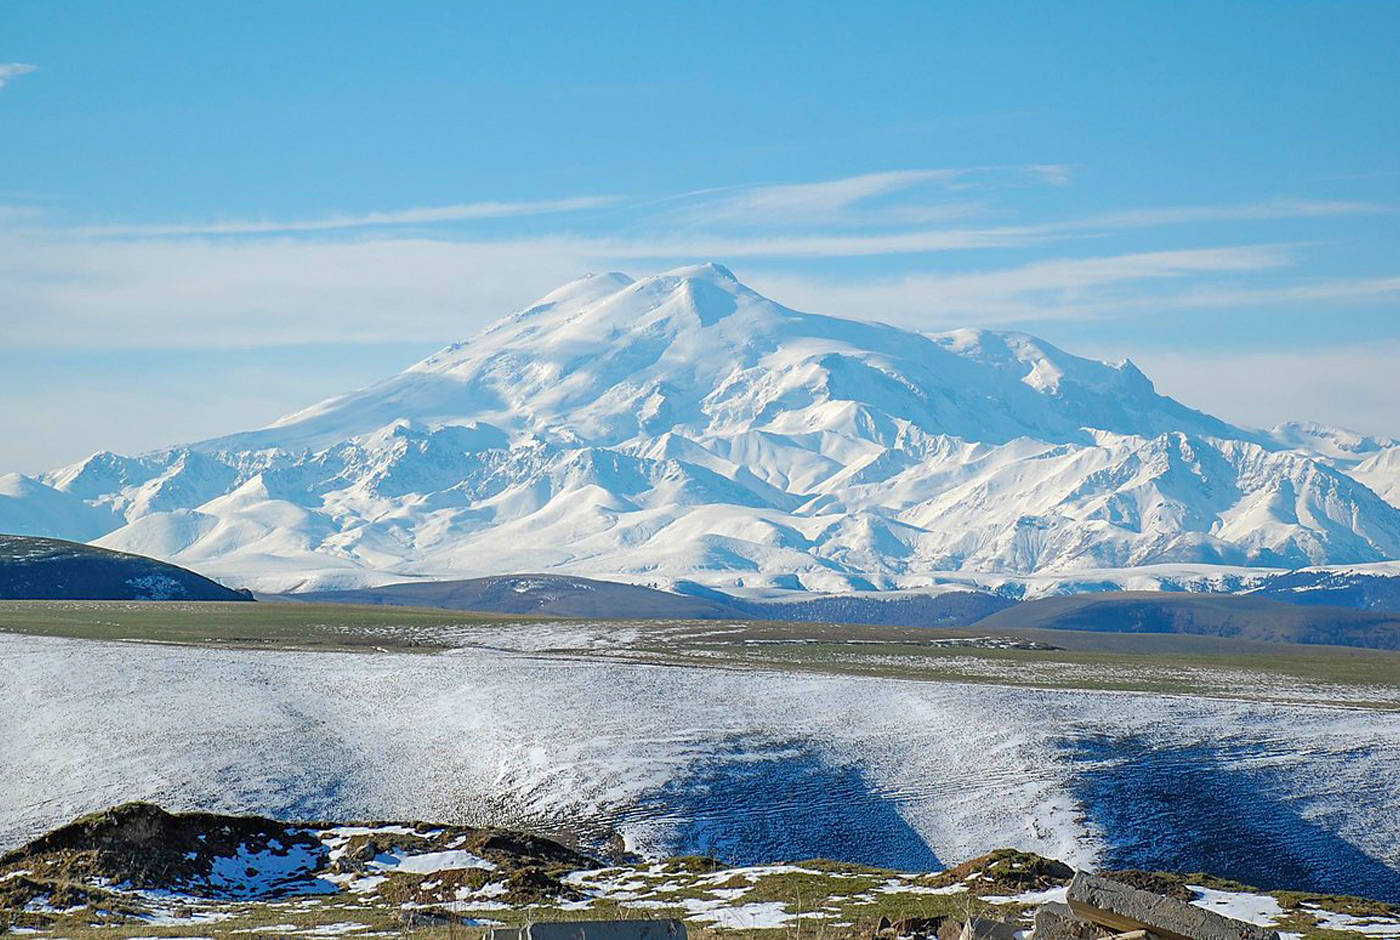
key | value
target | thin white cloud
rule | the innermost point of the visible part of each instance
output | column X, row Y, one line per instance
column 847, row 200
column 279, row 291
column 1312, row 292
column 821, row 200
column 828, row 246
column 10, row 215
column 1271, row 209
column 9, row 70
column 857, row 216
column 419, row 216
column 1072, row 273
column 165, row 286
column 830, row 211
column 690, row 244
column 1063, row 288
column 1054, row 174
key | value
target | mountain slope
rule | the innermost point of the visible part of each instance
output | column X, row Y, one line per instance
column 549, row 595
column 1381, row 472
column 609, row 360
column 30, row 507
column 683, row 426
column 1247, row 618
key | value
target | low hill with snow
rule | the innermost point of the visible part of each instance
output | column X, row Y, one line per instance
column 51, row 569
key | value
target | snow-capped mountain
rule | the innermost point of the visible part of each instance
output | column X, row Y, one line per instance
column 684, row 426
column 1374, row 461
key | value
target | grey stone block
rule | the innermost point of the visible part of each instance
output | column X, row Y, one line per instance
column 607, row 930
column 1124, row 909
column 980, row 928
column 1055, row 921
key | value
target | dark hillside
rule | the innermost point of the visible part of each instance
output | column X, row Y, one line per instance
column 543, row 594
column 33, row 568
column 1221, row 615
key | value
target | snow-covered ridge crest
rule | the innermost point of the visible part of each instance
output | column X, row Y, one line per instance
column 696, row 352
column 683, row 425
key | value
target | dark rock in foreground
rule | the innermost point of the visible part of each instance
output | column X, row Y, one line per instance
column 137, row 865
column 1125, row 908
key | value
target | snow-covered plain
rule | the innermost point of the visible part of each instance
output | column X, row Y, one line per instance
column 682, row 426
column 753, row 766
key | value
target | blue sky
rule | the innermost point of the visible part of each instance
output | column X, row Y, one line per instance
column 214, row 213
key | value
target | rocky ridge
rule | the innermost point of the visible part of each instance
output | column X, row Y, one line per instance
column 139, row 870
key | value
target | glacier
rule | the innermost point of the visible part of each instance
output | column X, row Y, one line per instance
column 684, row 427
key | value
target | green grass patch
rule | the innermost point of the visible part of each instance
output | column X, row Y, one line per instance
column 1109, row 662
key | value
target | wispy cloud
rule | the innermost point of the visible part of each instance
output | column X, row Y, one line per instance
column 1078, row 273
column 9, row 215
column 1141, row 284
column 843, row 224
column 1054, row 289
column 268, row 292
column 925, row 248
column 428, row 215
column 890, row 213
column 809, row 202
column 863, row 199
column 9, row 70
column 1312, row 292
column 1239, row 212
column 242, row 293
column 827, row 246
column 374, row 276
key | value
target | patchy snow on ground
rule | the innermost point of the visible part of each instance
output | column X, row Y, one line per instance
column 260, row 873
column 1253, row 908
column 752, row 766
column 757, row 916
column 1381, row 928
column 429, row 862
column 1029, row 897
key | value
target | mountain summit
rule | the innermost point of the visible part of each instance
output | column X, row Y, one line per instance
column 694, row 352
column 685, row 426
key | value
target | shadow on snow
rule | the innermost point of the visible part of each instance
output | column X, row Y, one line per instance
column 754, row 804
column 1188, row 809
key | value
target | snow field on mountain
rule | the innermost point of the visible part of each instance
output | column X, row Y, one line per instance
column 682, row 426
column 755, row 766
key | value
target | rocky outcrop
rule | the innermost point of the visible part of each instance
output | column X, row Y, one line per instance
column 139, row 864
column 1007, row 871
column 1125, row 909
column 1055, row 921
column 143, row 846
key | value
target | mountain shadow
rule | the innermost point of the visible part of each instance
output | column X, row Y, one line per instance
column 1193, row 809
column 753, row 804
